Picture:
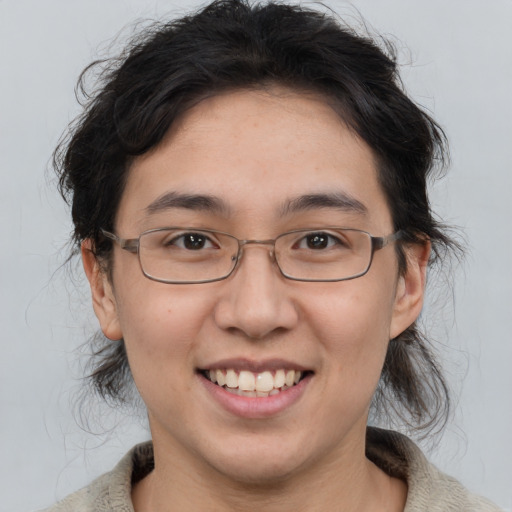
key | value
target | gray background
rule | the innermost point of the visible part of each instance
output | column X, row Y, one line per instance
column 458, row 64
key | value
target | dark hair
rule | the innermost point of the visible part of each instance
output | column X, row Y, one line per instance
column 233, row 44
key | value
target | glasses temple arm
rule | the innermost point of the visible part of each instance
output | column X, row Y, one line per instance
column 130, row 244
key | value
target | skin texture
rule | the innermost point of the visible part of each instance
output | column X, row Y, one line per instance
column 254, row 150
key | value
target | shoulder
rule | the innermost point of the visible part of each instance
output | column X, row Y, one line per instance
column 111, row 491
column 428, row 488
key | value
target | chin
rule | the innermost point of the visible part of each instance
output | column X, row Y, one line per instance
column 260, row 465
column 260, row 473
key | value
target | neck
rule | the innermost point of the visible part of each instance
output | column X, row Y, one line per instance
column 347, row 481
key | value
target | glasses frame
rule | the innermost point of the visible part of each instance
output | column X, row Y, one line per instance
column 132, row 245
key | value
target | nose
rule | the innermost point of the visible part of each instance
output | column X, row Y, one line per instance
column 256, row 299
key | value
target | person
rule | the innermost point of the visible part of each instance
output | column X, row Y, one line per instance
column 249, row 193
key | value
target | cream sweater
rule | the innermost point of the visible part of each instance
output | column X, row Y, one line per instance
column 429, row 490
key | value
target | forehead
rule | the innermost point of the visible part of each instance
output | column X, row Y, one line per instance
column 255, row 152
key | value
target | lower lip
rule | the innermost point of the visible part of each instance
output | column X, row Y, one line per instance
column 256, row 407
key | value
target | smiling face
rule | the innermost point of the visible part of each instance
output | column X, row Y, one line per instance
column 255, row 165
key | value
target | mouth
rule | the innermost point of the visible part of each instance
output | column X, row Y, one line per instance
column 255, row 384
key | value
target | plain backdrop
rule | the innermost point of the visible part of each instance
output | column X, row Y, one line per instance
column 457, row 63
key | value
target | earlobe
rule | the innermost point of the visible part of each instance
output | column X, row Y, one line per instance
column 103, row 300
column 410, row 289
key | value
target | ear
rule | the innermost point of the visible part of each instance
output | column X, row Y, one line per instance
column 103, row 300
column 410, row 288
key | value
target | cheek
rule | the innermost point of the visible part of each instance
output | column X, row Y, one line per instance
column 160, row 324
column 354, row 326
column 351, row 329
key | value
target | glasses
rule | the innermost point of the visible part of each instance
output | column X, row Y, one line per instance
column 177, row 255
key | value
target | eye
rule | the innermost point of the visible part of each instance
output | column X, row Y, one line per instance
column 191, row 241
column 318, row 241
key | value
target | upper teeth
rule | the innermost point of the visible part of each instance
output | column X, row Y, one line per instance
column 265, row 382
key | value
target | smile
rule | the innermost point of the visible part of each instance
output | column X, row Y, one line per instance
column 250, row 384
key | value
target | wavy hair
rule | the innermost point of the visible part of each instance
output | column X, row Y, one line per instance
column 237, row 44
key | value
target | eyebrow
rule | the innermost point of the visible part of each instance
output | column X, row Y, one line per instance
column 336, row 200
column 204, row 202
column 201, row 202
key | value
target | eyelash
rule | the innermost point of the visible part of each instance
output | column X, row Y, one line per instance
column 180, row 241
column 331, row 239
column 182, row 236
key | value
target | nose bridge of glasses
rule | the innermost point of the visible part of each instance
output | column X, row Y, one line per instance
column 269, row 242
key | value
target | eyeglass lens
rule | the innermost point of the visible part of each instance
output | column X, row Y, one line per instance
column 183, row 255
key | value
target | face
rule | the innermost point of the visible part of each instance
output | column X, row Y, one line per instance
column 256, row 154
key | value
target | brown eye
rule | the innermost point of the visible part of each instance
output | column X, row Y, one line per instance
column 194, row 241
column 191, row 242
column 317, row 241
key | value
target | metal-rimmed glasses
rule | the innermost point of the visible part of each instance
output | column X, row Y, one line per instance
column 188, row 255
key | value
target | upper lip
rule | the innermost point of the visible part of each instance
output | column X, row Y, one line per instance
column 254, row 366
